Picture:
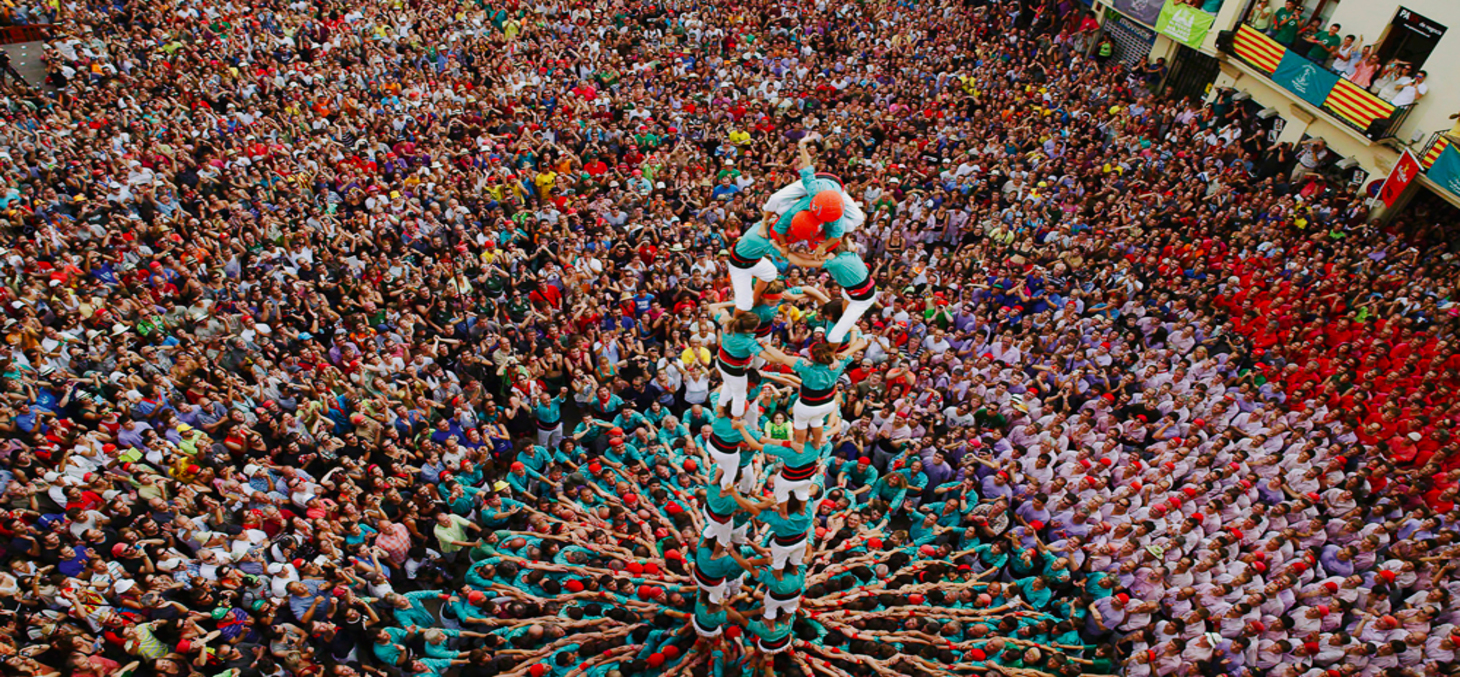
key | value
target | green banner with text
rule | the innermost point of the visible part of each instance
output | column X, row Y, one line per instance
column 1184, row 24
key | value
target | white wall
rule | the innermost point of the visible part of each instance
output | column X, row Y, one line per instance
column 1372, row 17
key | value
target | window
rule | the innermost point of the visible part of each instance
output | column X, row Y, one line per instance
column 1324, row 11
column 1410, row 38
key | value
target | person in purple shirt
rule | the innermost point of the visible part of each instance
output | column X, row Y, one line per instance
column 1336, row 560
column 965, row 320
column 130, row 434
column 996, row 486
column 1034, row 509
column 938, row 472
column 1230, row 655
column 1076, row 523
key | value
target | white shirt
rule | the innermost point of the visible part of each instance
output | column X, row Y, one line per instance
column 1410, row 93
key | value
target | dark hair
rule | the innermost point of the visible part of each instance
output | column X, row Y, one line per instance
column 743, row 323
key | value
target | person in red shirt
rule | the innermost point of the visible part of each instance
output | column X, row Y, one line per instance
column 860, row 372
column 548, row 296
column 586, row 92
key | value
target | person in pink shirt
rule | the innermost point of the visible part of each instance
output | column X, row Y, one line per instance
column 395, row 539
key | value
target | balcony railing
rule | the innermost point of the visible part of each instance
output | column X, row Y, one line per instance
column 1436, row 144
column 1341, row 99
column 10, row 35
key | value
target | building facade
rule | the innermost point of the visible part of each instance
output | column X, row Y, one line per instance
column 1237, row 48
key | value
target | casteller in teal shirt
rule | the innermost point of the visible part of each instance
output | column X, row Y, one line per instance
column 813, row 185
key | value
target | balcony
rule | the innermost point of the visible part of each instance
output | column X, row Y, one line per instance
column 1441, row 162
column 1344, row 102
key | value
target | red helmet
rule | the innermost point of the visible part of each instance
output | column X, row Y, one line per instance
column 826, row 206
column 804, row 226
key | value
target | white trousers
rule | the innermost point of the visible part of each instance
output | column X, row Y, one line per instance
column 729, row 466
column 780, row 554
column 805, row 416
column 747, row 480
column 736, row 391
column 716, row 531
column 775, row 607
column 742, row 282
column 715, row 592
column 802, row 488
column 550, row 439
column 740, row 535
column 850, row 315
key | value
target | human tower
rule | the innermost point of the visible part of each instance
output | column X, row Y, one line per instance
column 851, row 595
column 805, row 224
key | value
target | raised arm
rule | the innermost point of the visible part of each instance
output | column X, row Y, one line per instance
column 774, row 354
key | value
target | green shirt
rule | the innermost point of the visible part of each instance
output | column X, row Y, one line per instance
column 723, row 427
column 768, row 632
column 724, row 566
column 741, row 346
column 847, row 269
column 390, row 653
column 866, row 477
column 790, row 526
column 885, row 491
column 815, row 376
column 1286, row 32
column 793, row 580
column 1321, row 44
column 989, row 419
column 805, row 457
column 707, row 619
column 455, row 531
column 549, row 413
column 813, row 185
column 719, row 502
column 752, row 245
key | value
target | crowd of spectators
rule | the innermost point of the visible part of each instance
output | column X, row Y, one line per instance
column 289, row 288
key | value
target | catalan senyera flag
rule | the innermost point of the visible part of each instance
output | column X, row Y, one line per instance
column 1358, row 106
column 1257, row 49
column 1433, row 153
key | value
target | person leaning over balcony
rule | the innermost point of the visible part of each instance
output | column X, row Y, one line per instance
column 1412, row 91
column 1286, row 22
column 1350, row 55
column 1324, row 44
column 1395, row 78
column 1363, row 73
column 1261, row 18
column 1308, row 36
